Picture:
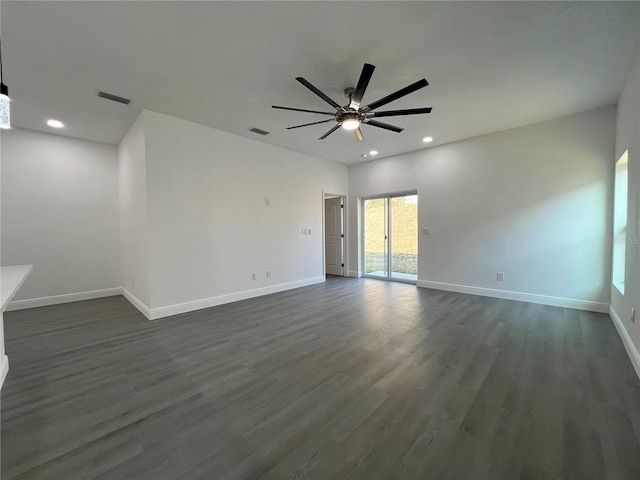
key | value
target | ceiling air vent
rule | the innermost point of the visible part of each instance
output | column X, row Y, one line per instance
column 113, row 98
column 258, row 131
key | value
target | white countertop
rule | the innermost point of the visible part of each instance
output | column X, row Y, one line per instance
column 12, row 279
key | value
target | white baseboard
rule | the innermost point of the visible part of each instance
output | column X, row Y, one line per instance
column 161, row 312
column 354, row 274
column 4, row 369
column 57, row 299
column 632, row 351
column 519, row 296
column 136, row 302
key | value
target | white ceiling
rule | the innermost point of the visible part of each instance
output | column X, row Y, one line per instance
column 491, row 65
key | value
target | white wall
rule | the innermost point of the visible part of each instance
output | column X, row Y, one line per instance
column 176, row 215
column 209, row 227
column 627, row 138
column 133, row 213
column 532, row 202
column 60, row 213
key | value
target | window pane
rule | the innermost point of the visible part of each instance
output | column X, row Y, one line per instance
column 620, row 221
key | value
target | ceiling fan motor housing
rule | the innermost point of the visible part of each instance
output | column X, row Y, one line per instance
column 350, row 118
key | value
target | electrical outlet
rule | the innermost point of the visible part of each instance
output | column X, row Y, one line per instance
column 267, row 202
column 268, row 273
column 254, row 276
column 633, row 315
column 133, row 282
column 425, row 231
column 500, row 276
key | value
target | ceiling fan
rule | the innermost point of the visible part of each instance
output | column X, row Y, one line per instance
column 352, row 115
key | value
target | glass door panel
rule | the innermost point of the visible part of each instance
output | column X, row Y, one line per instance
column 376, row 245
column 390, row 241
column 404, row 237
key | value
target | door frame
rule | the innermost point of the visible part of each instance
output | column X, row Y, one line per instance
column 326, row 195
column 389, row 239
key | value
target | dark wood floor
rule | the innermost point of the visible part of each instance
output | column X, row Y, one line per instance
column 349, row 379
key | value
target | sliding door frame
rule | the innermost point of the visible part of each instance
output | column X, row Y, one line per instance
column 388, row 239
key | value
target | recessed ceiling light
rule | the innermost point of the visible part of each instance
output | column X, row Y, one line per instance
column 373, row 152
column 427, row 139
column 55, row 123
column 363, row 155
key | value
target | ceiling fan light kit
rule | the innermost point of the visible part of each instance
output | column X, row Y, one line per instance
column 353, row 115
column 350, row 123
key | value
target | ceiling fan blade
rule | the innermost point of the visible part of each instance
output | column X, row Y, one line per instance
column 317, row 92
column 301, row 110
column 363, row 82
column 359, row 135
column 329, row 132
column 396, row 95
column 386, row 126
column 394, row 113
column 314, row 123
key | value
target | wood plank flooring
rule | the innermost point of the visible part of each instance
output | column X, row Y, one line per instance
column 351, row 379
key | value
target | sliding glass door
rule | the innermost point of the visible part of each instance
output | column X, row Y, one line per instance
column 390, row 246
column 376, row 235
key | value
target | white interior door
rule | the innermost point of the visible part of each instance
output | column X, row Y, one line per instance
column 333, row 236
